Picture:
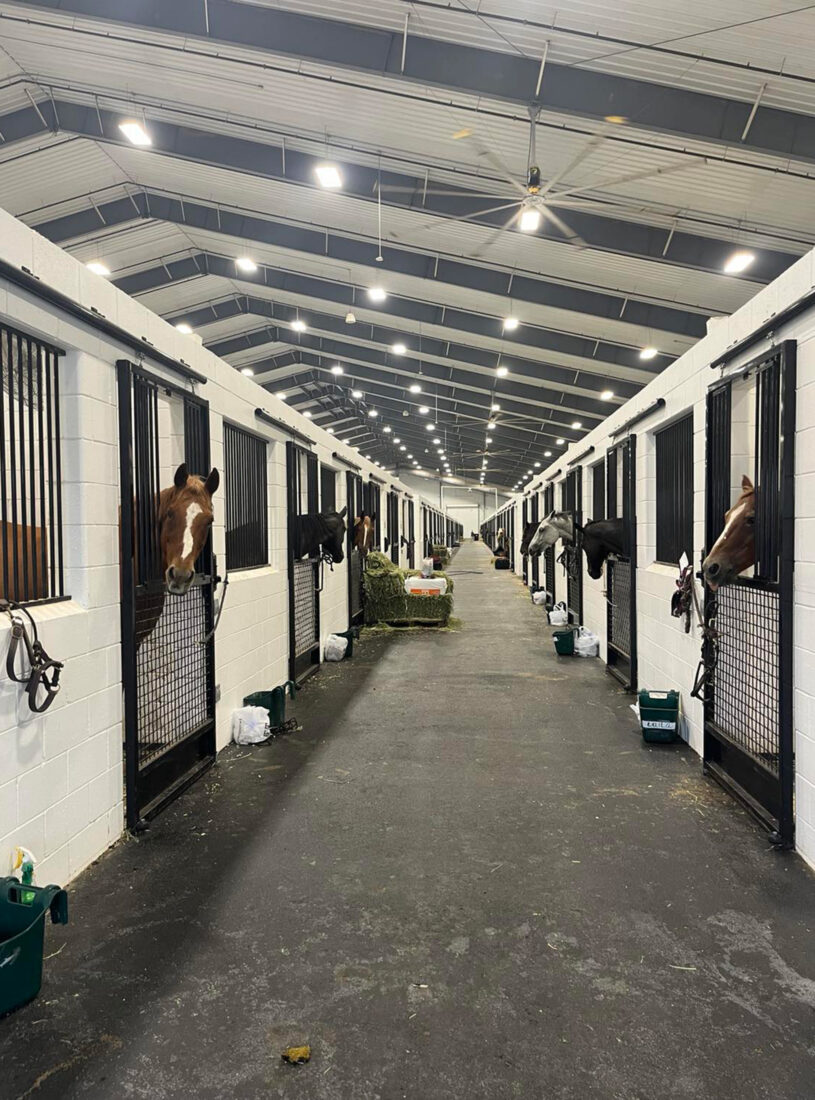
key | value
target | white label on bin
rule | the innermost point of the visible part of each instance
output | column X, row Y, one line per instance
column 647, row 724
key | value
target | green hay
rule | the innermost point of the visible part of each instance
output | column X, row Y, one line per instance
column 387, row 602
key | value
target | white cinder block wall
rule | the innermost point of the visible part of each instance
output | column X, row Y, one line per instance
column 667, row 656
column 61, row 773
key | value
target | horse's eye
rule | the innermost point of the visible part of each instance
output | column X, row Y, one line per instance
column 751, row 521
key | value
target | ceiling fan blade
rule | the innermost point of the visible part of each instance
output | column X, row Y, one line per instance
column 493, row 237
column 419, row 190
column 500, row 167
column 567, row 231
column 579, row 157
column 440, row 219
column 645, row 174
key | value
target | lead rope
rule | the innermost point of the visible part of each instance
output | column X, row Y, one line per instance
column 44, row 670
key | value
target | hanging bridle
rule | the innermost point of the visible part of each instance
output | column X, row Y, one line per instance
column 44, row 671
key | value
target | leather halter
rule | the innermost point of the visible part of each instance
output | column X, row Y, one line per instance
column 44, row 671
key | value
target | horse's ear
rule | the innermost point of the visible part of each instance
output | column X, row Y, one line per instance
column 181, row 475
column 344, row 510
column 212, row 482
column 746, row 484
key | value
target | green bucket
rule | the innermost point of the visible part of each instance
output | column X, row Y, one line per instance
column 564, row 642
column 659, row 716
column 273, row 701
column 22, row 935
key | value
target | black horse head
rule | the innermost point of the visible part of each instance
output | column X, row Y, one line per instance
column 601, row 539
column 320, row 532
column 529, row 532
column 334, row 541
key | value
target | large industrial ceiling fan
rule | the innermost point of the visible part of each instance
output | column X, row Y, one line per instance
column 531, row 200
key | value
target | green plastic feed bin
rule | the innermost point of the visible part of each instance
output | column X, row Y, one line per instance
column 659, row 716
column 273, row 701
column 22, row 935
column 564, row 642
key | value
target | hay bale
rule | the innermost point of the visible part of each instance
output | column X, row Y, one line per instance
column 387, row 602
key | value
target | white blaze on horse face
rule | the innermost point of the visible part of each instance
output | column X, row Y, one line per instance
column 193, row 510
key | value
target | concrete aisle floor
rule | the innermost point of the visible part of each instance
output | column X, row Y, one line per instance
column 465, row 878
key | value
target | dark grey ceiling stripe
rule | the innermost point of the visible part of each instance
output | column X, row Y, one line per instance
column 503, row 76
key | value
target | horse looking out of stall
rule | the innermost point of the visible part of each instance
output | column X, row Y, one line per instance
column 322, row 532
column 602, row 539
column 184, row 521
column 363, row 533
column 557, row 525
column 528, row 535
column 734, row 550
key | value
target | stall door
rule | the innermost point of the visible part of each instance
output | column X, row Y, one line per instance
column 621, row 574
column 304, row 573
column 353, row 490
column 572, row 501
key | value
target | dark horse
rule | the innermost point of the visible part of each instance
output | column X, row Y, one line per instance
column 601, row 539
column 528, row 535
column 320, row 532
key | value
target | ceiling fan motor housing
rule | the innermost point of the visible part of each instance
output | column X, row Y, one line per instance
column 534, row 183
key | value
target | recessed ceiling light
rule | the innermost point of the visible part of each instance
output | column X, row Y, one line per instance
column 350, row 319
column 307, row 414
column 429, row 427
column 377, row 293
column 437, row 441
column 606, row 395
column 396, row 439
column 337, row 369
column 536, row 465
column 560, row 442
column 330, row 431
column 529, row 473
column 98, row 268
column 415, row 388
column 328, row 175
column 243, row 263
column 387, row 429
column 530, row 219
column 368, row 457
column 184, row 328
column 495, row 408
column 135, row 132
column 356, row 394
column 491, row 424
column 403, row 448
column 738, row 262
column 372, row 413
column 576, row 424
column 489, row 439
column 280, row 395
column 648, row 353
column 547, row 454
column 443, row 456
column 423, row 410
column 410, row 456
column 398, row 349
column 510, row 324
column 299, row 326
column 502, row 372
column 248, row 372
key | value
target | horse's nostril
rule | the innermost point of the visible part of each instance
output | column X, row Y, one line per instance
column 713, row 569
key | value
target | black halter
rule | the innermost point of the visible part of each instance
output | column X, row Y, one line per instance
column 44, row 670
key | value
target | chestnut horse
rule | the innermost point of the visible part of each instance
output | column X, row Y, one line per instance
column 363, row 533
column 734, row 549
column 184, row 521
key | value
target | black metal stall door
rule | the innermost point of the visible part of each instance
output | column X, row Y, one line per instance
column 534, row 517
column 549, row 552
column 621, row 587
column 304, row 573
column 393, row 527
column 168, row 670
column 411, row 535
column 572, row 501
column 525, row 520
column 353, row 486
column 748, row 654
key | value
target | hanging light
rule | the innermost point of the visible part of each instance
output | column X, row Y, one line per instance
column 135, row 132
column 337, row 369
column 328, row 176
column 243, row 263
column 98, row 268
column 530, row 219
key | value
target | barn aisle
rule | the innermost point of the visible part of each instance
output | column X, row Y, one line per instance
column 465, row 878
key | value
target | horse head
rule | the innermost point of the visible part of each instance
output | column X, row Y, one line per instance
column 557, row 525
column 334, row 540
column 363, row 533
column 734, row 549
column 601, row 539
column 528, row 534
column 184, row 519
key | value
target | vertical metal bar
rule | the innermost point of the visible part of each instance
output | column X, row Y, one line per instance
column 22, row 533
column 128, row 602
column 787, row 398
column 5, row 366
column 13, row 465
column 53, row 441
column 31, row 540
column 45, row 535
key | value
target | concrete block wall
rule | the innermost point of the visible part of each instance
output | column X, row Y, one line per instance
column 61, row 774
column 667, row 656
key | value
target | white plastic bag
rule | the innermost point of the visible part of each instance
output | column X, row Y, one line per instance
column 250, row 725
column 335, row 647
column 586, row 644
column 539, row 598
column 558, row 616
column 427, row 567
column 426, row 586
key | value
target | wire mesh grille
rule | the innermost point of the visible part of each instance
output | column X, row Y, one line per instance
column 305, row 607
column 172, row 673
column 571, row 562
column 619, row 596
column 745, row 682
column 355, row 583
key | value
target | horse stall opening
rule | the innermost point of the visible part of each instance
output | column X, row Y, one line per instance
column 393, row 526
column 353, row 496
column 747, row 658
column 621, row 572
column 571, row 500
column 304, row 573
column 549, row 552
column 168, row 649
column 411, row 533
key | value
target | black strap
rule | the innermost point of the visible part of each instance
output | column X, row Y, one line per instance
column 44, row 671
